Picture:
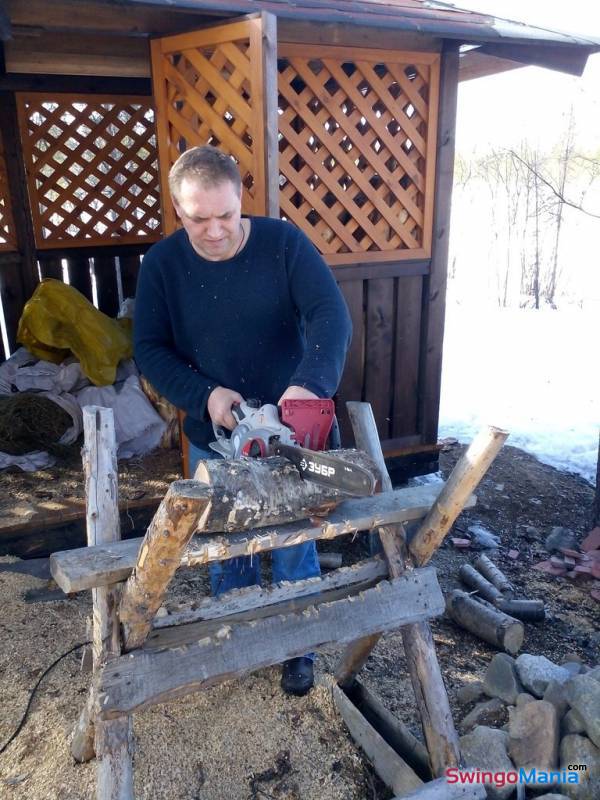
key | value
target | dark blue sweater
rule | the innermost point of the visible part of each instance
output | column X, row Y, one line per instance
column 266, row 319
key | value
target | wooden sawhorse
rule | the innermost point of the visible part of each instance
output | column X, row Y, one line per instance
column 140, row 659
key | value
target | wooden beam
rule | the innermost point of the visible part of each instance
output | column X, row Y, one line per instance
column 566, row 58
column 253, row 597
column 465, row 476
column 85, row 568
column 112, row 738
column 335, row 33
column 146, row 676
column 270, row 115
column 74, row 84
column 475, row 64
column 434, row 286
column 391, row 768
column 425, row 673
column 394, row 731
column 173, row 525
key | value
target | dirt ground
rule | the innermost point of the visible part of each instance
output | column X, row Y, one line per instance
column 246, row 740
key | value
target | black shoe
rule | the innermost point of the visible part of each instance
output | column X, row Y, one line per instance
column 297, row 676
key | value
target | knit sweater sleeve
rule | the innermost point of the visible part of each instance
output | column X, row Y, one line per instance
column 154, row 346
column 320, row 304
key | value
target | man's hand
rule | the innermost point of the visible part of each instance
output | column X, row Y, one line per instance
column 219, row 405
column 297, row 393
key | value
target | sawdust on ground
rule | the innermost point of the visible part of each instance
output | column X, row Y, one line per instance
column 243, row 740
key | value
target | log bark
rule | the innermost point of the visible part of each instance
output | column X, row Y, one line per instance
column 465, row 476
column 475, row 580
column 491, row 625
column 256, row 492
column 526, row 610
column 184, row 507
column 494, row 575
column 425, row 673
column 111, row 741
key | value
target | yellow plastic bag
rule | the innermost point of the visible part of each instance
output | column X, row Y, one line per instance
column 58, row 320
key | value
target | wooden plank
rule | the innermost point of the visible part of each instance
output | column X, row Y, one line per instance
column 12, row 302
column 268, row 103
column 341, row 53
column 379, row 345
column 391, row 768
column 435, row 285
column 51, row 267
column 240, row 600
column 408, row 254
column 78, row 84
column 394, row 731
column 361, row 269
column 474, row 64
column 146, row 677
column 17, row 184
column 129, row 267
column 440, row 789
column 406, row 367
column 351, row 385
column 105, row 272
column 84, row 568
column 338, row 33
column 79, row 276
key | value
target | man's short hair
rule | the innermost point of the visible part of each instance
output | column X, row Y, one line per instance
column 209, row 166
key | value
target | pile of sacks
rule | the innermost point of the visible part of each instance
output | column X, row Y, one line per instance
column 540, row 720
column 138, row 426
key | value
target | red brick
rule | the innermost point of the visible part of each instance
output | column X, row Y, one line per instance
column 551, row 569
column 591, row 541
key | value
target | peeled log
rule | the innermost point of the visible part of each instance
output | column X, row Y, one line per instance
column 474, row 580
column 256, row 492
column 491, row 625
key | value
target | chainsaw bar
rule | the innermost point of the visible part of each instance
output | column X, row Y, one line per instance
column 327, row 470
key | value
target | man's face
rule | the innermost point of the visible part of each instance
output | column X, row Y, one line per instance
column 211, row 217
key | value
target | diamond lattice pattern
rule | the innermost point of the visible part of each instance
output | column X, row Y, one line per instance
column 209, row 101
column 7, row 228
column 353, row 153
column 93, row 170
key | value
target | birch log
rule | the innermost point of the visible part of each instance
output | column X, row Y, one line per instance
column 475, row 580
column 463, row 479
column 256, row 492
column 494, row 575
column 485, row 621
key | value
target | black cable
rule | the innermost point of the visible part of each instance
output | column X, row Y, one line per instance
column 34, row 690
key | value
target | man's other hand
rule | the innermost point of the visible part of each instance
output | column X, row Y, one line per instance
column 219, row 405
column 297, row 393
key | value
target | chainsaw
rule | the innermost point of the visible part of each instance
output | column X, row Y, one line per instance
column 298, row 430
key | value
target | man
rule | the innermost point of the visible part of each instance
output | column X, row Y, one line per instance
column 233, row 307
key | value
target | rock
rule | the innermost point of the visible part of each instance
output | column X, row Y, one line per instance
column 572, row 667
column 482, row 538
column 485, row 748
column 533, row 735
column 492, row 713
column 575, row 749
column 556, row 694
column 531, row 533
column 573, row 657
column 583, row 694
column 524, row 698
column 470, row 692
column 536, row 672
column 501, row 679
column 560, row 537
column 594, row 673
column 572, row 723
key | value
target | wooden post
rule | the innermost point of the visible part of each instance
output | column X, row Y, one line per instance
column 426, row 677
column 159, row 556
column 464, row 478
column 112, row 738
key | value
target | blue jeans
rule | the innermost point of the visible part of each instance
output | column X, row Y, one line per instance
column 289, row 563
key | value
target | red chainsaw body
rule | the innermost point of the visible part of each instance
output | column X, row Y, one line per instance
column 310, row 420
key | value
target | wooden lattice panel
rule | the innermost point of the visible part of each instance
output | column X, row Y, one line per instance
column 209, row 89
column 92, row 168
column 357, row 150
column 7, row 227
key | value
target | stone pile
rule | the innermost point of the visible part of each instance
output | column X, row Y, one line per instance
column 530, row 713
